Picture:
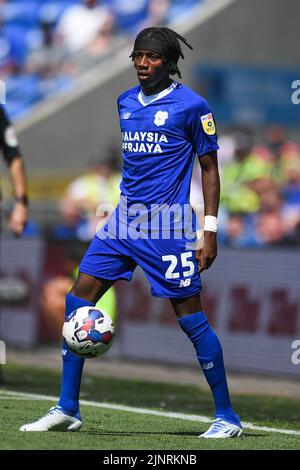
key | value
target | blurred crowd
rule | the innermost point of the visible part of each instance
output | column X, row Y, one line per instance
column 89, row 200
column 260, row 199
column 260, row 193
column 44, row 44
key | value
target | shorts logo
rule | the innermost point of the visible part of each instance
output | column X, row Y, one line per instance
column 185, row 282
column 160, row 118
column 208, row 124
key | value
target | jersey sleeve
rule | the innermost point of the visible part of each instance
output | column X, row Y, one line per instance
column 201, row 127
column 8, row 139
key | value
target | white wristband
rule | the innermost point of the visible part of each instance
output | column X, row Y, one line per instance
column 210, row 223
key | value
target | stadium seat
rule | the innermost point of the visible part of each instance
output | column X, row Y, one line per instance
column 16, row 37
column 181, row 7
column 24, row 13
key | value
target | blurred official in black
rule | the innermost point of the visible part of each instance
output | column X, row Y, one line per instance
column 12, row 155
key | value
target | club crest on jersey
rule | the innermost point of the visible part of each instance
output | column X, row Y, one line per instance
column 160, row 118
column 208, row 124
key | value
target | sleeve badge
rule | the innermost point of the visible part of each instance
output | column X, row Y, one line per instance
column 10, row 137
column 208, row 124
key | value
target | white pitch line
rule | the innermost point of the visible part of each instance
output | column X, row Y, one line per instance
column 16, row 398
column 144, row 411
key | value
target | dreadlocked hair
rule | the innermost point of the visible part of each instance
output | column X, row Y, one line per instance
column 171, row 39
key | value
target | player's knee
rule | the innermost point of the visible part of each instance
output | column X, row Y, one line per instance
column 85, row 287
column 90, row 288
column 186, row 306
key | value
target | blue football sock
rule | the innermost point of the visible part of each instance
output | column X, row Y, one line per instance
column 72, row 365
column 210, row 356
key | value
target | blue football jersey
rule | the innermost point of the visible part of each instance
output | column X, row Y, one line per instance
column 160, row 136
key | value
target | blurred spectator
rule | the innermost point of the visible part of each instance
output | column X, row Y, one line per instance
column 268, row 193
column 270, row 229
column 102, row 43
column 236, row 195
column 81, row 209
column 47, row 56
column 96, row 186
column 54, row 290
column 13, row 49
column 295, row 238
column 237, row 233
column 275, row 138
column 289, row 153
column 291, row 186
column 291, row 196
column 80, row 25
column 129, row 15
column 157, row 13
column 73, row 225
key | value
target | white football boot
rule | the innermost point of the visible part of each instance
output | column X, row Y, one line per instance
column 55, row 420
column 221, row 429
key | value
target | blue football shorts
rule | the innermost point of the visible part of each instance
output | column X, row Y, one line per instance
column 169, row 264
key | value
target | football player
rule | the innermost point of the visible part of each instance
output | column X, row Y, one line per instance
column 164, row 124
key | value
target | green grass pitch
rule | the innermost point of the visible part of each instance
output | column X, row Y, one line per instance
column 108, row 429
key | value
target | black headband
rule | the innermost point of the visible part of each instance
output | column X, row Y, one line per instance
column 153, row 45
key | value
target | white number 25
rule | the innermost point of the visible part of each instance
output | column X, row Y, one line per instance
column 185, row 263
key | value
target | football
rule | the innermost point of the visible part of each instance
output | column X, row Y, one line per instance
column 88, row 332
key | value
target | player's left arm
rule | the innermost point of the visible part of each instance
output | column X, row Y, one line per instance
column 211, row 196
